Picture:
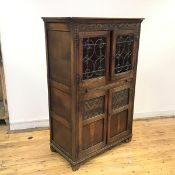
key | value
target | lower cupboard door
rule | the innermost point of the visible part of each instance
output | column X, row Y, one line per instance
column 120, row 113
column 92, row 122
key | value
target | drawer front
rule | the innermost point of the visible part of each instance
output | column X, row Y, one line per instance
column 92, row 122
column 120, row 113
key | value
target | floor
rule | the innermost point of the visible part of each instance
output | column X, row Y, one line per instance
column 151, row 152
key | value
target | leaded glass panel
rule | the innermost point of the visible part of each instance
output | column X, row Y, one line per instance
column 123, row 55
column 94, row 53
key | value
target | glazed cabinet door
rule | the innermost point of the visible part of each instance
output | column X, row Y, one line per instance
column 120, row 109
column 124, row 54
column 92, row 122
column 93, row 60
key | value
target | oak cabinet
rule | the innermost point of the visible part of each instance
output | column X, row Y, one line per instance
column 91, row 82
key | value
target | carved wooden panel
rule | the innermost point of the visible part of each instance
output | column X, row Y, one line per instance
column 120, row 111
column 93, row 27
column 120, row 98
column 93, row 107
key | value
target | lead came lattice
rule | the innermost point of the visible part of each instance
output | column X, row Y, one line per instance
column 123, row 55
column 94, row 49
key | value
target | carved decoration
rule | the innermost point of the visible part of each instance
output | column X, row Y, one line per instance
column 120, row 98
column 92, row 27
column 93, row 107
column 75, row 31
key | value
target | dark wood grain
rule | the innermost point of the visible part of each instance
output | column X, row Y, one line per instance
column 89, row 115
column 60, row 103
column 59, row 56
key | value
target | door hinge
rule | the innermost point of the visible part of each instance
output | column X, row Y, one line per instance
column 78, row 78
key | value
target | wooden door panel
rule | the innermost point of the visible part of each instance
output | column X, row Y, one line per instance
column 118, row 123
column 93, row 134
column 93, row 58
column 124, row 54
column 120, row 111
column 92, row 122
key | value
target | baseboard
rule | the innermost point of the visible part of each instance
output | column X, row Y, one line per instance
column 28, row 125
column 45, row 123
column 145, row 115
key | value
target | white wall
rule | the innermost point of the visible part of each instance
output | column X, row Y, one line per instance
column 23, row 47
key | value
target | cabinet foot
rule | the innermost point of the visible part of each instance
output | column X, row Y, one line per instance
column 75, row 167
column 52, row 149
column 128, row 140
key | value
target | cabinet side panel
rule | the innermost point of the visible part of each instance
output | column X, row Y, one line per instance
column 60, row 104
column 62, row 136
column 58, row 42
column 59, row 56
